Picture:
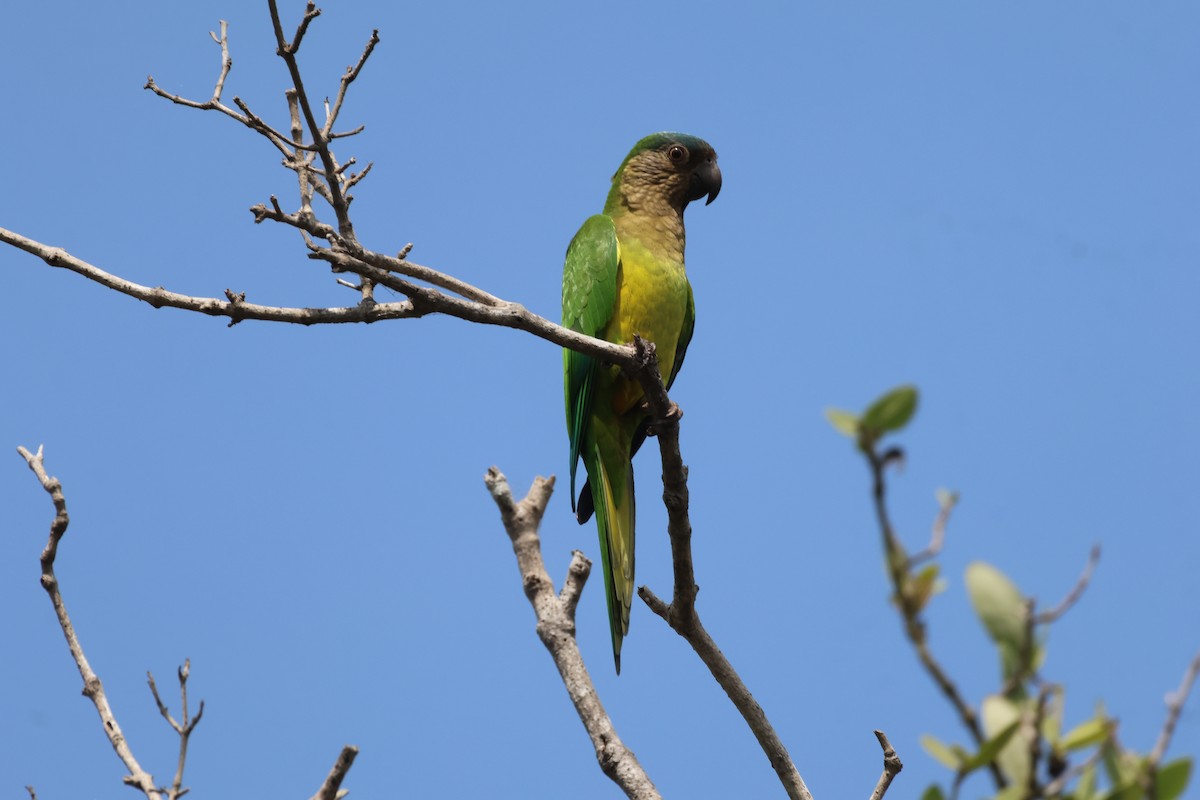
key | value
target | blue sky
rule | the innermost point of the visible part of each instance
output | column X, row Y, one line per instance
column 996, row 203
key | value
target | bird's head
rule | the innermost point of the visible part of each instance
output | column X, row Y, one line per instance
column 665, row 170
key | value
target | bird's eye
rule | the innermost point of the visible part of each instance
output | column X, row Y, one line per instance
column 678, row 154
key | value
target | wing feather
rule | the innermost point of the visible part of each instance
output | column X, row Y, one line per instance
column 588, row 297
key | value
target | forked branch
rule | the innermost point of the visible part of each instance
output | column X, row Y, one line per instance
column 93, row 689
column 556, row 627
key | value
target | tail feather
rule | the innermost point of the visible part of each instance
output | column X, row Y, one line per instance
column 615, row 521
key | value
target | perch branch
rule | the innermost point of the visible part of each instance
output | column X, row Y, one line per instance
column 93, row 689
column 681, row 613
column 556, row 627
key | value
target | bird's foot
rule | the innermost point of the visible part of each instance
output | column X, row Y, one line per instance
column 673, row 415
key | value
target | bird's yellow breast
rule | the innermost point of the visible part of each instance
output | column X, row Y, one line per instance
column 652, row 302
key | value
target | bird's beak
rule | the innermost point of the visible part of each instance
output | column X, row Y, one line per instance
column 706, row 180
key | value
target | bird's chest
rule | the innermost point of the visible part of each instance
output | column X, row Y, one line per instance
column 652, row 301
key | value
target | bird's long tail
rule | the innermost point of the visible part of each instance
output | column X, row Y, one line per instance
column 615, row 521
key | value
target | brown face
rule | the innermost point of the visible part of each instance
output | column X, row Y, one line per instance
column 678, row 173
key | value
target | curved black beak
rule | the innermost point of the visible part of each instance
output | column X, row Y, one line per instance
column 706, row 180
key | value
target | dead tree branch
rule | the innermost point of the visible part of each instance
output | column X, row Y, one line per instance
column 556, row 627
column 93, row 689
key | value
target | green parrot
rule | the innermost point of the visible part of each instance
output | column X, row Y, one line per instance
column 624, row 276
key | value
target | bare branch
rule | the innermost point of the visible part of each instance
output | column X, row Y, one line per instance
column 226, row 60
column 320, row 141
column 348, row 78
column 891, row 766
column 556, row 627
column 237, row 311
column 1175, row 703
column 247, row 118
column 184, row 729
column 93, row 689
column 937, row 536
column 1076, row 592
column 331, row 788
column 681, row 613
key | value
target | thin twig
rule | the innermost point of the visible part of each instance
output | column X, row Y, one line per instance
column 891, row 766
column 910, row 611
column 93, row 689
column 348, row 78
column 937, row 537
column 320, row 141
column 1175, row 702
column 184, row 729
column 1076, row 591
column 556, row 627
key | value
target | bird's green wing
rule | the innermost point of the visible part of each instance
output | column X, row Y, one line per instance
column 685, row 338
column 588, row 297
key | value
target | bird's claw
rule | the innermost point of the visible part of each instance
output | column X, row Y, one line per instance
column 673, row 415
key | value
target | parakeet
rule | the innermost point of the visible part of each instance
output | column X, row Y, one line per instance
column 624, row 276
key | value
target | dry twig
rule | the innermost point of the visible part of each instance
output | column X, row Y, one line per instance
column 891, row 766
column 93, row 689
column 184, row 729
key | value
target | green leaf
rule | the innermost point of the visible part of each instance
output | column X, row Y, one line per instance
column 1013, row 757
column 1001, row 608
column 892, row 411
column 844, row 422
column 1086, row 788
column 1126, row 792
column 1086, row 734
column 992, row 747
column 924, row 585
column 1011, row 793
column 1172, row 779
column 934, row 792
column 949, row 756
column 1123, row 768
